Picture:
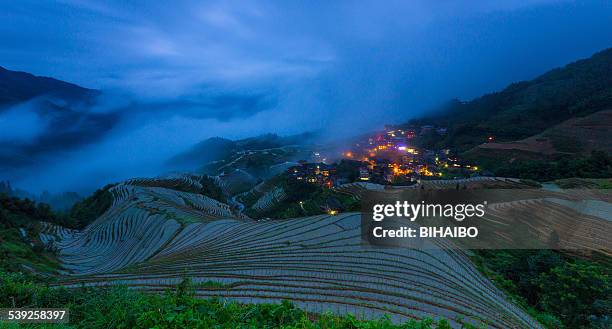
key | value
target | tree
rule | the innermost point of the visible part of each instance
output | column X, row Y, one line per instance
column 577, row 292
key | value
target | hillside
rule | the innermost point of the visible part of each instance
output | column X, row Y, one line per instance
column 21, row 248
column 217, row 150
column 211, row 149
column 57, row 115
column 527, row 108
column 580, row 135
column 17, row 87
column 157, row 232
column 578, row 147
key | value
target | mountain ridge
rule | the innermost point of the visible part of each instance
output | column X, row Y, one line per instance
column 527, row 108
column 218, row 148
column 18, row 86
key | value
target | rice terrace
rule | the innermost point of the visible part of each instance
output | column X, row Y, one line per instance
column 227, row 164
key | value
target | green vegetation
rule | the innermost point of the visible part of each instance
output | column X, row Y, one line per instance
column 597, row 165
column 212, row 154
column 20, row 247
column 529, row 108
column 89, row 209
column 15, row 212
column 211, row 189
column 558, row 290
column 17, row 254
column 118, row 307
column 349, row 169
column 258, row 163
column 526, row 108
column 306, row 199
column 567, row 183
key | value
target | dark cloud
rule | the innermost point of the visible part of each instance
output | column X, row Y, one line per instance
column 222, row 107
column 173, row 75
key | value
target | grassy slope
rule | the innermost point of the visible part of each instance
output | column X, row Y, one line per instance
column 16, row 254
column 20, row 246
column 118, row 307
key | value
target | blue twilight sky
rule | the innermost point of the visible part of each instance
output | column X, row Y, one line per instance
column 174, row 73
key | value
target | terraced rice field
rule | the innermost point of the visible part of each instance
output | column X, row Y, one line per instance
column 235, row 182
column 140, row 222
column 473, row 182
column 359, row 188
column 154, row 237
column 269, row 199
column 582, row 225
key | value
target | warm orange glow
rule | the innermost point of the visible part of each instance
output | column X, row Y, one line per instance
column 397, row 171
column 425, row 172
column 348, row 154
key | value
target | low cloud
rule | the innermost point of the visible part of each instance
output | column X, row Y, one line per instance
column 48, row 144
column 174, row 75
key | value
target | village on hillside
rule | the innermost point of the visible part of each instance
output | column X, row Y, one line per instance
column 388, row 157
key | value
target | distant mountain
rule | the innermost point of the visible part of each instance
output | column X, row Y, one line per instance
column 58, row 201
column 212, row 149
column 527, row 108
column 59, row 111
column 16, row 87
column 217, row 148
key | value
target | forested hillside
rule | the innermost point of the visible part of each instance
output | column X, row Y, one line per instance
column 527, row 108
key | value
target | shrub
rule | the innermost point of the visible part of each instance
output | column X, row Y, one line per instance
column 120, row 307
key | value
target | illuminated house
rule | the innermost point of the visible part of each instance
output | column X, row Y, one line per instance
column 364, row 174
